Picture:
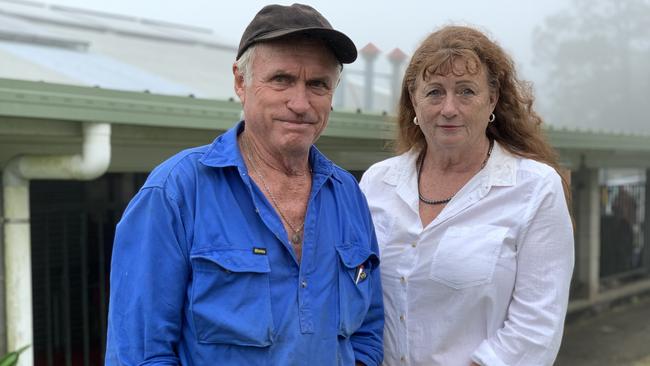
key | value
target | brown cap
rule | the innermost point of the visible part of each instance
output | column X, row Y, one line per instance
column 276, row 21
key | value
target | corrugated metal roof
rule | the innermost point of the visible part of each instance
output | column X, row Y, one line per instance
column 111, row 51
column 42, row 12
column 137, row 54
column 93, row 69
column 100, row 21
column 19, row 30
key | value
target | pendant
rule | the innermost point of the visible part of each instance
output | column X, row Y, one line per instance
column 295, row 239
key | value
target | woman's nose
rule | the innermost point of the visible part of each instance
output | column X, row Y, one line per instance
column 449, row 106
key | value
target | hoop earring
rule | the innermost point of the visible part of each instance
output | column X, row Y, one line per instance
column 415, row 120
column 492, row 118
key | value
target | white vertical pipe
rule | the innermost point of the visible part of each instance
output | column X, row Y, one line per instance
column 588, row 230
column 91, row 163
column 18, row 266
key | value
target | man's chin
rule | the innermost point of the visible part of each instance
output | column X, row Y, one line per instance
column 298, row 144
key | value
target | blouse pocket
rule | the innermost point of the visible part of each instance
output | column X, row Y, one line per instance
column 467, row 255
column 356, row 264
column 231, row 298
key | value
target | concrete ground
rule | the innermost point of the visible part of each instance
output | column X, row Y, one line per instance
column 618, row 336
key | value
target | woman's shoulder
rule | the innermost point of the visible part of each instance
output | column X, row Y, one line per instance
column 383, row 168
column 386, row 164
column 536, row 168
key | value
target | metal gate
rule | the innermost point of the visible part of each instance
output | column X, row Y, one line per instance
column 622, row 237
column 72, row 228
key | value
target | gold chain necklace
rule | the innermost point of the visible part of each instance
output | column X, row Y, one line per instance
column 296, row 238
column 446, row 200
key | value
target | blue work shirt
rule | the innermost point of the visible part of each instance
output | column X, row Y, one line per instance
column 203, row 272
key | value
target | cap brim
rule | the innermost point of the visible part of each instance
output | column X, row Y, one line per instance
column 340, row 44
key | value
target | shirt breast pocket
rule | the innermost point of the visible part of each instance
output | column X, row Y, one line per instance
column 467, row 255
column 231, row 298
column 356, row 264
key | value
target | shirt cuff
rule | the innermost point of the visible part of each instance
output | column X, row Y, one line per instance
column 485, row 356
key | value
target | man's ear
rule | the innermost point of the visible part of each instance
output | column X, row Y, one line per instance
column 239, row 82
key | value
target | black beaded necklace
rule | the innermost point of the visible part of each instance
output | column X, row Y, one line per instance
column 446, row 200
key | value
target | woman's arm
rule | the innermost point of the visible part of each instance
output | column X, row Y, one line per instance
column 534, row 323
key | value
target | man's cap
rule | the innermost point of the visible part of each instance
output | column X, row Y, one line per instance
column 277, row 21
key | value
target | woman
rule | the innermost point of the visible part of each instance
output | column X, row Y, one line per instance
column 475, row 235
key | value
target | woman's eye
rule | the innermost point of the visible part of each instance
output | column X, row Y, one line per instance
column 434, row 93
column 467, row 92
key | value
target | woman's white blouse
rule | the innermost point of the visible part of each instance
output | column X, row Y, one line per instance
column 488, row 279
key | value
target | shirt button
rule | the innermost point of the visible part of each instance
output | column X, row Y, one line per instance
column 414, row 245
column 303, row 284
column 402, row 279
column 403, row 359
column 401, row 317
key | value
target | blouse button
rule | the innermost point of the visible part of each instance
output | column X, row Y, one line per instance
column 414, row 245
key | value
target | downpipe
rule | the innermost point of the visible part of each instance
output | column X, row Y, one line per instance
column 90, row 164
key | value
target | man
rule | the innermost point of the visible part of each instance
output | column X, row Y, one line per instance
column 256, row 249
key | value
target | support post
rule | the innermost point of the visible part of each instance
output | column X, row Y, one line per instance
column 587, row 212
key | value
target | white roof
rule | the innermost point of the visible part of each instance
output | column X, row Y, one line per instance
column 50, row 43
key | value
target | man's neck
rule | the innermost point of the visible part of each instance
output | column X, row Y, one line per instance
column 289, row 163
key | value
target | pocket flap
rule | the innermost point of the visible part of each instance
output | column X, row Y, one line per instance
column 354, row 254
column 234, row 260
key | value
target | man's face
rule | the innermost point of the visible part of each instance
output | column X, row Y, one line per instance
column 289, row 97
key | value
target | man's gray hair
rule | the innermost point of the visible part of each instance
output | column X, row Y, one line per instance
column 245, row 62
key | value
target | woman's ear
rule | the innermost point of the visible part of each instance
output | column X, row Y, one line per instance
column 412, row 97
column 494, row 99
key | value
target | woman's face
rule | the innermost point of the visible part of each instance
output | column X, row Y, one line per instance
column 453, row 110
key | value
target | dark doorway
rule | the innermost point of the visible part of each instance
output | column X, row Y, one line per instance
column 72, row 228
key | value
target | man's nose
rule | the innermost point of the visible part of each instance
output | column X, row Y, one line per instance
column 299, row 99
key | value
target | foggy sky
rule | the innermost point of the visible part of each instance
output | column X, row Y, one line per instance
column 404, row 23
column 387, row 24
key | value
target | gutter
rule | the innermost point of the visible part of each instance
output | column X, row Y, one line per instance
column 90, row 164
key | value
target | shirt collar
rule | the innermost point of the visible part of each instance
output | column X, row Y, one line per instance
column 402, row 167
column 224, row 152
column 501, row 168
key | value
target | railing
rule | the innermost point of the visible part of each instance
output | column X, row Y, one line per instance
column 622, row 231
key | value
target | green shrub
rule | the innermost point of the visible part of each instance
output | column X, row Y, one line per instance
column 11, row 358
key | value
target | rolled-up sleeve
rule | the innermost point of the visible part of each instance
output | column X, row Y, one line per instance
column 149, row 274
column 367, row 340
column 532, row 332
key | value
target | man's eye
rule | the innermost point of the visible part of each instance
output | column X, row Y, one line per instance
column 281, row 79
column 318, row 84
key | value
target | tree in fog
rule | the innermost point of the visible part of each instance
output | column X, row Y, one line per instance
column 596, row 56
